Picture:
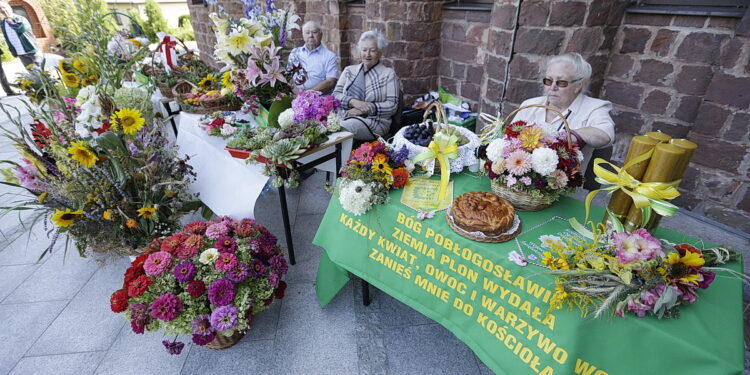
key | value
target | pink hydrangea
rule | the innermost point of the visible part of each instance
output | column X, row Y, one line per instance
column 639, row 245
column 157, row 263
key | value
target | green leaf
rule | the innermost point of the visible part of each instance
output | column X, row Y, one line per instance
column 110, row 141
column 276, row 108
column 667, row 300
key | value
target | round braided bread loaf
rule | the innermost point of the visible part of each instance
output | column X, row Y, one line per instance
column 481, row 211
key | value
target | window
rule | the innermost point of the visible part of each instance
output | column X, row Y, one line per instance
column 21, row 11
column 356, row 3
column 485, row 5
column 722, row 8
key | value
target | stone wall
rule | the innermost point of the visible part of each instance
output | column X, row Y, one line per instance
column 687, row 76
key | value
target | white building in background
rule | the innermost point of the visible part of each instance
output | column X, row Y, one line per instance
column 172, row 9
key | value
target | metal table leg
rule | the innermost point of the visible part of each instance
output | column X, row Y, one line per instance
column 365, row 293
column 285, row 216
column 171, row 114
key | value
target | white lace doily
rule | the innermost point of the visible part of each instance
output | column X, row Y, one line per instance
column 466, row 153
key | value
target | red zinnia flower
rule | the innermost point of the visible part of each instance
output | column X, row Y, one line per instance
column 216, row 123
column 279, row 292
column 131, row 274
column 684, row 248
column 137, row 287
column 196, row 288
column 173, row 243
column 400, row 176
column 139, row 260
column 118, row 302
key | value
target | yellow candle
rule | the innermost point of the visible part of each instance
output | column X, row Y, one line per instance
column 679, row 172
column 659, row 136
column 662, row 167
column 619, row 202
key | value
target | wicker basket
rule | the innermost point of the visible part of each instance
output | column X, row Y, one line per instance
column 522, row 200
column 181, row 88
column 222, row 342
column 166, row 90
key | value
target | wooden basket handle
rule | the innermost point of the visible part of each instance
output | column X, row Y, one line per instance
column 439, row 114
column 565, row 120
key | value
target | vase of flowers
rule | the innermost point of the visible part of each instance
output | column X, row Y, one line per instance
column 531, row 165
column 372, row 171
column 208, row 280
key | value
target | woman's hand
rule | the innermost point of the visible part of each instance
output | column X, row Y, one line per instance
column 354, row 112
column 360, row 105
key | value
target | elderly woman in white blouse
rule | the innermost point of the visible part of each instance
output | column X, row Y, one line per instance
column 565, row 79
column 368, row 92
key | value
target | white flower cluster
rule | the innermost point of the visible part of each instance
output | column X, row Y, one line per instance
column 91, row 112
column 356, row 196
column 334, row 122
column 286, row 118
column 495, row 149
column 544, row 161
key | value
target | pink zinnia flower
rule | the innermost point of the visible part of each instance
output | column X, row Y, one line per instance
column 194, row 240
column 518, row 162
column 173, row 242
column 196, row 227
column 244, row 227
column 226, row 244
column 225, row 262
column 217, row 230
column 187, row 252
column 221, row 292
column 166, row 307
column 157, row 263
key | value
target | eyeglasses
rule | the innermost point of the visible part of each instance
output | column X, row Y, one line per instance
column 560, row 82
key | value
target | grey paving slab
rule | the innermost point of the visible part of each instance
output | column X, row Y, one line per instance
column 483, row 369
column 12, row 276
column 247, row 357
column 314, row 340
column 58, row 278
column 22, row 325
column 314, row 197
column 63, row 364
column 25, row 249
column 87, row 323
column 265, row 323
column 306, row 254
column 427, row 349
column 142, row 355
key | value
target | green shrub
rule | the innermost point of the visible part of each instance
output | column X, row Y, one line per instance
column 7, row 56
column 70, row 19
column 183, row 21
column 155, row 21
column 184, row 33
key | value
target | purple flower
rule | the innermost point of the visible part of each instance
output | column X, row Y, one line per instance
column 157, row 263
column 278, row 264
column 708, row 278
column 399, row 156
column 226, row 244
column 184, row 272
column 138, row 326
column 257, row 268
column 167, row 307
column 273, row 279
column 202, row 325
column 138, row 311
column 238, row 273
column 221, row 292
column 204, row 339
column 174, row 348
column 224, row 318
column 217, row 230
column 254, row 245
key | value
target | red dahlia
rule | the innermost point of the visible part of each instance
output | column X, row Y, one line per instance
column 118, row 302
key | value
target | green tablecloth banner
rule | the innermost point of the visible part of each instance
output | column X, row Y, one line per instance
column 499, row 309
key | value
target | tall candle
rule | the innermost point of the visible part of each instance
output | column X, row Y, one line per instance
column 619, row 202
column 665, row 159
column 679, row 172
column 659, row 136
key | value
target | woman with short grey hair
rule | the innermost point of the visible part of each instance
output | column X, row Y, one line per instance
column 368, row 91
column 565, row 79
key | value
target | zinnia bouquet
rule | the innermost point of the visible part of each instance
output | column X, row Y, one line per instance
column 373, row 169
column 634, row 273
column 534, row 159
column 208, row 280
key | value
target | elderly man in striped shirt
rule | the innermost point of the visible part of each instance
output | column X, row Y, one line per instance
column 320, row 63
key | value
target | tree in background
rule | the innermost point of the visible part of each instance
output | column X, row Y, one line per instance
column 69, row 18
column 155, row 21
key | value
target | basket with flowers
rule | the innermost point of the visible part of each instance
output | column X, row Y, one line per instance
column 208, row 281
column 373, row 169
column 532, row 165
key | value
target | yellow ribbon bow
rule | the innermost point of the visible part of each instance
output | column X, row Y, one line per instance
column 441, row 148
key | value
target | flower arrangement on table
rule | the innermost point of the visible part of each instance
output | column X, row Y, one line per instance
column 633, row 273
column 99, row 168
column 373, row 169
column 208, row 281
column 222, row 124
column 530, row 163
column 308, row 123
column 213, row 92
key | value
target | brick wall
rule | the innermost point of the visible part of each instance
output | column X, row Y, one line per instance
column 41, row 28
column 687, row 76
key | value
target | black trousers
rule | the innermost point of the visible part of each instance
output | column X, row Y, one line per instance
column 4, row 82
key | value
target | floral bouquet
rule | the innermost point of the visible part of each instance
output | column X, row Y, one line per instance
column 373, row 169
column 208, row 281
column 308, row 123
column 219, row 124
column 532, row 165
column 77, row 72
column 633, row 273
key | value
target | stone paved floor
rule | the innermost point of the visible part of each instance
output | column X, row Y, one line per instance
column 56, row 317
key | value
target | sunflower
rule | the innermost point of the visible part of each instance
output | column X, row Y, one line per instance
column 80, row 65
column 226, row 80
column 61, row 66
column 71, row 79
column 146, row 211
column 207, row 82
column 90, row 80
column 81, row 153
column 380, row 164
column 66, row 218
column 131, row 120
column 684, row 267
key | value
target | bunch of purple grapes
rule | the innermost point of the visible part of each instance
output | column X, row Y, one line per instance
column 420, row 135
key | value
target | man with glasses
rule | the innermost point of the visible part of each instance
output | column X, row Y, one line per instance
column 565, row 79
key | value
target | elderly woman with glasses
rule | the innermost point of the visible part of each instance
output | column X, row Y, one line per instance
column 565, row 80
column 368, row 91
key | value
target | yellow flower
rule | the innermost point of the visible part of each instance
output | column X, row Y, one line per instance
column 226, row 80
column 554, row 263
column 26, row 84
column 107, row 215
column 679, row 266
column 131, row 223
column 66, row 218
column 90, row 80
column 239, row 43
column 146, row 211
column 81, row 153
column 71, row 79
column 207, row 82
column 530, row 137
column 41, row 197
column 80, row 65
column 556, row 302
column 380, row 164
column 131, row 120
column 134, row 41
column 61, row 66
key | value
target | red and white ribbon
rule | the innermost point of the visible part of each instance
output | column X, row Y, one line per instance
column 167, row 51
